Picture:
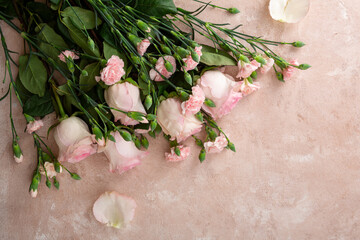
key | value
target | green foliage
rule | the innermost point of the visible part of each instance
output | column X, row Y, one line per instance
column 216, row 57
column 39, row 106
column 88, row 82
column 157, row 8
column 81, row 18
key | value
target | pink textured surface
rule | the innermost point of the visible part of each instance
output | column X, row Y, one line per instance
column 296, row 173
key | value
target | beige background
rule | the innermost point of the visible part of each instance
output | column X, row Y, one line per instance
column 296, row 173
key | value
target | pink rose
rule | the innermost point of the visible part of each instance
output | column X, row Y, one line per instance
column 269, row 63
column 172, row 157
column 50, row 170
column 222, row 90
column 122, row 155
column 247, row 88
column 113, row 72
column 143, row 46
column 67, row 54
column 290, row 70
column 190, row 64
column 217, row 146
column 160, row 68
column 174, row 123
column 195, row 101
column 125, row 97
column 246, row 69
column 34, row 126
column 74, row 140
column 114, row 210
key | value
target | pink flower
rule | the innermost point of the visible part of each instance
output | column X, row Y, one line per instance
column 195, row 102
column 247, row 88
column 33, row 193
column 114, row 210
column 160, row 68
column 172, row 157
column 67, row 54
column 269, row 63
column 290, row 70
column 34, row 126
column 174, row 123
column 19, row 159
column 113, row 72
column 74, row 140
column 125, row 97
column 190, row 64
column 143, row 46
column 217, row 146
column 122, row 155
column 246, row 69
column 222, row 90
column 50, row 170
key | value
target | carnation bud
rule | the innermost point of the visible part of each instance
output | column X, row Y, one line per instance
column 125, row 135
column 188, row 78
column 153, row 125
column 18, row 156
column 304, row 66
column 97, row 132
column 253, row 75
column 143, row 26
column 199, row 142
column 177, row 151
column 280, row 76
column 33, row 193
column 298, row 44
column 70, row 65
column 182, row 52
column 84, row 73
column 75, row 176
column 260, row 59
column 244, row 58
column 194, row 44
column 57, row 167
column 199, row 116
column 169, row 67
column 195, row 56
column 48, row 183
column 233, row 10
column 135, row 59
column 134, row 39
column 225, row 47
column 184, row 95
column 56, row 183
column 144, row 142
column 231, row 146
column 28, row 118
column 211, row 133
column 153, row 60
column 209, row 103
column 202, row 155
column 103, row 62
column 166, row 49
column 148, row 102
column 150, row 117
column 137, row 142
column 91, row 43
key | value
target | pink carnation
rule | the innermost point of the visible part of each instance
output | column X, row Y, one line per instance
column 190, row 64
column 172, row 157
column 143, row 46
column 217, row 146
column 34, row 126
column 67, row 54
column 269, row 63
column 290, row 70
column 113, row 71
column 33, row 193
column 195, row 102
column 161, row 69
column 247, row 88
column 246, row 69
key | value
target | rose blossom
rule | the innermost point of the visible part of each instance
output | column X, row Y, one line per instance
column 123, row 155
column 125, row 97
column 190, row 64
column 50, row 170
column 74, row 140
column 195, row 101
column 222, row 90
column 160, row 67
column 247, row 88
column 172, row 157
column 113, row 71
column 217, row 146
column 174, row 123
column 246, row 69
column 33, row 126
column 290, row 70
column 143, row 46
column 269, row 63
column 67, row 54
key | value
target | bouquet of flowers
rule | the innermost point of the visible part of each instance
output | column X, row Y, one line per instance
column 117, row 71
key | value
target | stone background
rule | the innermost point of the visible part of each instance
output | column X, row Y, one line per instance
column 295, row 175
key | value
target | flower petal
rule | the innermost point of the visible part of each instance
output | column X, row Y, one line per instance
column 290, row 11
column 114, row 210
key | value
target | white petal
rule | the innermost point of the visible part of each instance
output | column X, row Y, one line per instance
column 114, row 210
column 290, row 11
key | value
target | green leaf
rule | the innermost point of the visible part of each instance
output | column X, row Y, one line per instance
column 32, row 74
column 157, row 8
column 39, row 106
column 88, row 82
column 109, row 51
column 81, row 18
column 212, row 57
column 80, row 38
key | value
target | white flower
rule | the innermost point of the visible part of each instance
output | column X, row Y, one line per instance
column 290, row 11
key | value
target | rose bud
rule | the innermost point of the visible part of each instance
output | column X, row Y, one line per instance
column 123, row 155
column 113, row 72
column 174, row 123
column 246, row 69
column 173, row 157
column 74, row 140
column 125, row 97
column 161, row 71
column 33, row 126
column 222, row 90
